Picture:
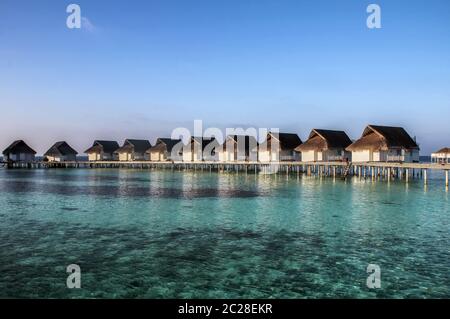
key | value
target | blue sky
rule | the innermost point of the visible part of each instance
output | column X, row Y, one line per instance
column 142, row 68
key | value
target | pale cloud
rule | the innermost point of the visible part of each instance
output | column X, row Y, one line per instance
column 87, row 24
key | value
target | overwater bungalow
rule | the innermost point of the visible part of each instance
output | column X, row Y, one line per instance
column 279, row 147
column 19, row 151
column 197, row 149
column 326, row 146
column 384, row 144
column 133, row 150
column 102, row 151
column 239, row 148
column 162, row 151
column 61, row 152
column 442, row 156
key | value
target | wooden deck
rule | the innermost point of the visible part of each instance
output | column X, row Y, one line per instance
column 131, row 164
column 374, row 170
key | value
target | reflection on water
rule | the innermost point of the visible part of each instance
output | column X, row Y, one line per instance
column 165, row 234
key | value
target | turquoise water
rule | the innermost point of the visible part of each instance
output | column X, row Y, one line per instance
column 163, row 234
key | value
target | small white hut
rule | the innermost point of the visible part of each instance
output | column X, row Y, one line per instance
column 197, row 149
column 326, row 146
column 442, row 156
column 133, row 150
column 279, row 147
column 385, row 144
column 102, row 151
column 61, row 152
column 164, row 148
column 239, row 148
column 19, row 151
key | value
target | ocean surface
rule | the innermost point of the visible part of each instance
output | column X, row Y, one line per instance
column 163, row 234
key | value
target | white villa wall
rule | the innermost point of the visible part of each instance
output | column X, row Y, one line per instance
column 124, row 157
column 156, row 156
column 361, row 156
column 380, row 156
column 222, row 156
column 66, row 158
column 264, row 156
column 319, row 156
column 94, row 157
column 197, row 156
column 392, row 155
column 309, row 156
column 325, row 156
column 440, row 157
column 187, row 155
column 102, row 157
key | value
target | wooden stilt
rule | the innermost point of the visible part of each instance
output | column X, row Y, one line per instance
column 446, row 178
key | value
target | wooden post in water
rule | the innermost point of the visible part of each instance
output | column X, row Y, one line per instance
column 425, row 177
column 446, row 179
column 407, row 175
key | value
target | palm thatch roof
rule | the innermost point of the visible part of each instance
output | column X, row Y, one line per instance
column 103, row 146
column 287, row 141
column 445, row 150
column 134, row 146
column 60, row 149
column 18, row 147
column 382, row 138
column 321, row 140
column 164, row 145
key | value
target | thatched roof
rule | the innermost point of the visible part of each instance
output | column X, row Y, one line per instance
column 134, row 146
column 103, row 146
column 60, row 149
column 287, row 141
column 445, row 150
column 18, row 147
column 320, row 140
column 164, row 145
column 382, row 138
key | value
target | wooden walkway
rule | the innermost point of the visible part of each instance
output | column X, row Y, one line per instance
column 374, row 170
